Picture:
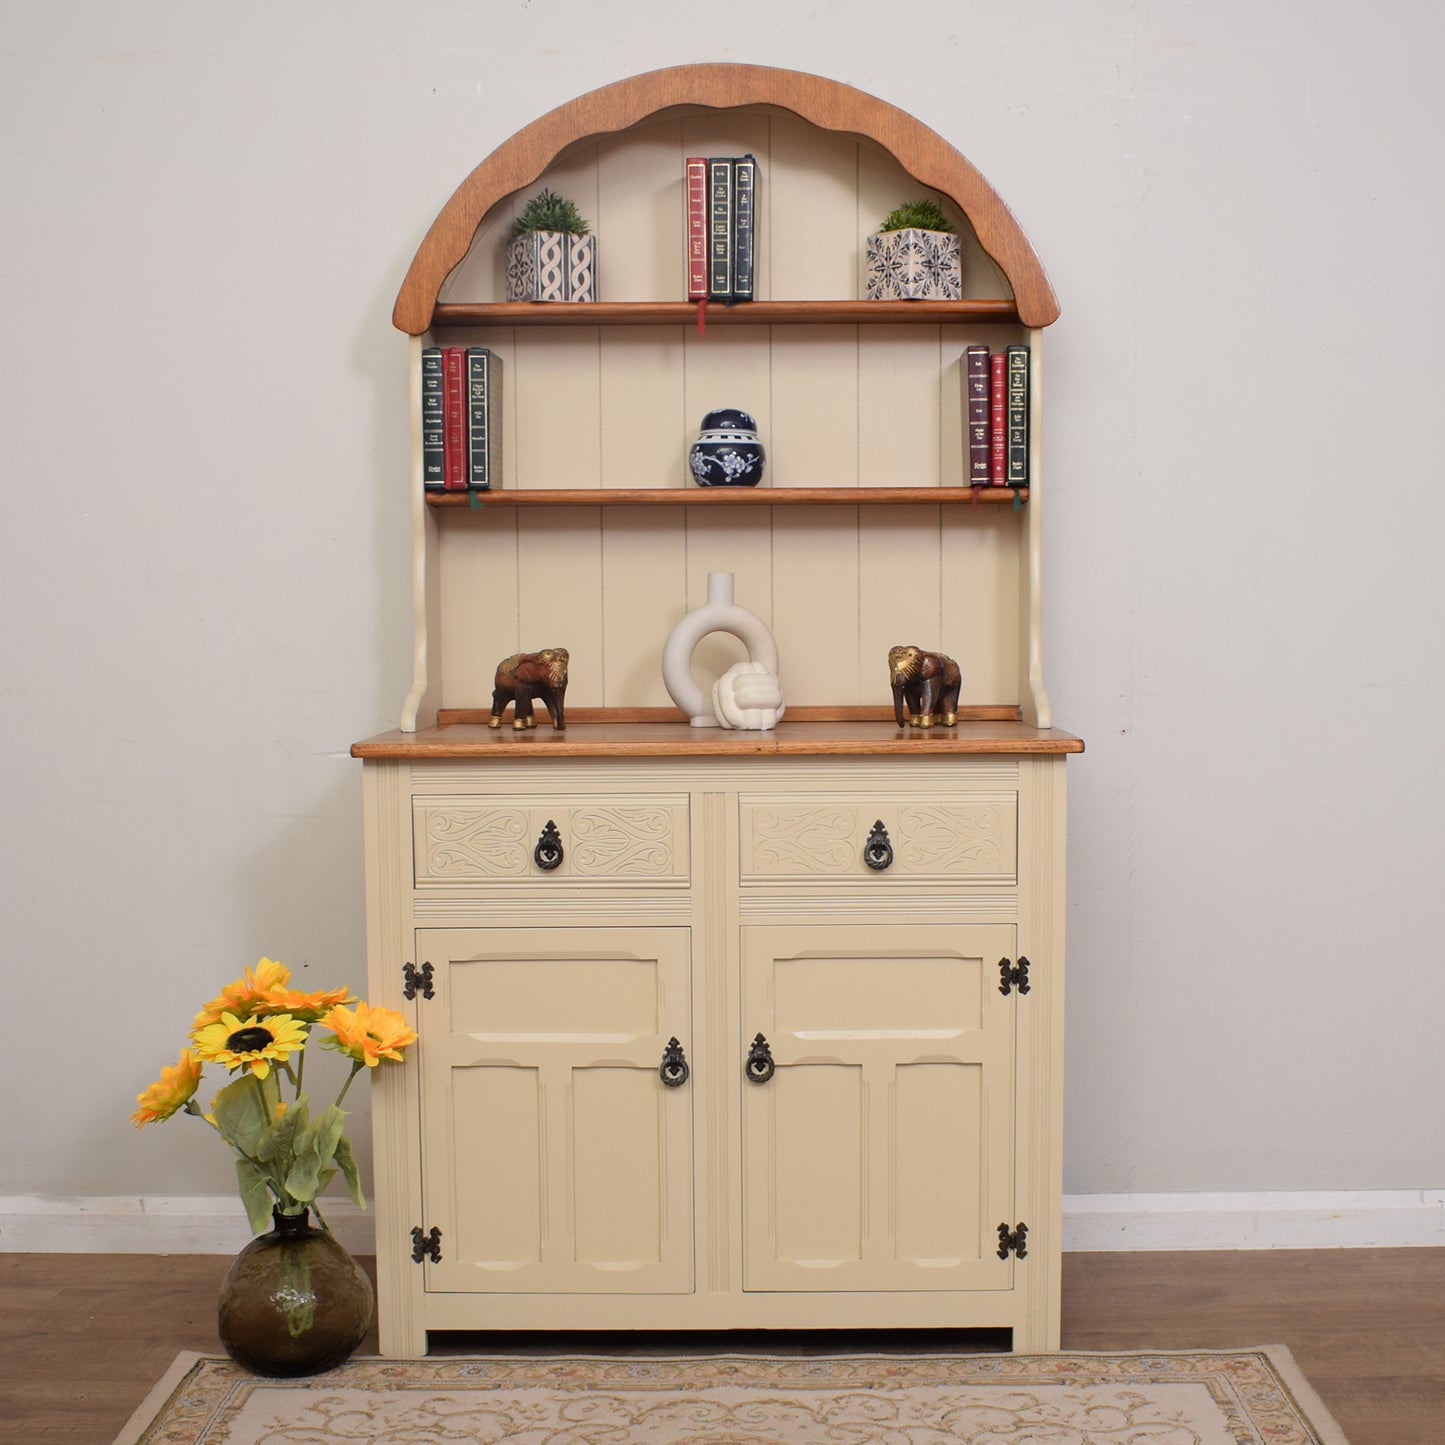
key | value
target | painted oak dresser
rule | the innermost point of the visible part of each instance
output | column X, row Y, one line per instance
column 722, row 1029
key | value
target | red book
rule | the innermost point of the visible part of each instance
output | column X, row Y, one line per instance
column 697, row 228
column 454, row 413
column 998, row 420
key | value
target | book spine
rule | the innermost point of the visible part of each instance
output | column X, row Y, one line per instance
column 483, row 437
column 433, row 421
column 997, row 421
column 697, row 212
column 720, row 226
column 1018, row 416
column 745, row 177
column 976, row 409
column 454, row 377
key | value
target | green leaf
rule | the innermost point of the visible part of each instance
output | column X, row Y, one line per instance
column 315, row 1149
column 238, row 1114
column 346, row 1162
column 277, row 1142
column 254, row 1195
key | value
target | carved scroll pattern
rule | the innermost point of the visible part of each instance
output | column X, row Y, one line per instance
column 956, row 840
column 472, row 843
column 805, row 840
column 622, row 842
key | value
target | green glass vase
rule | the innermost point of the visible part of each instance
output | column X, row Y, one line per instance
column 294, row 1302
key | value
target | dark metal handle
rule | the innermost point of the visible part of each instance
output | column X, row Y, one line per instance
column 547, row 855
column 674, row 1065
column 759, row 1068
column 878, row 851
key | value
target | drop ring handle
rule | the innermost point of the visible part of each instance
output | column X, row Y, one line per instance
column 878, row 851
column 759, row 1067
column 673, row 1068
column 548, row 855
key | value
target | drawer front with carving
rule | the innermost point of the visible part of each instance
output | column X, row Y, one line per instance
column 470, row 840
column 958, row 838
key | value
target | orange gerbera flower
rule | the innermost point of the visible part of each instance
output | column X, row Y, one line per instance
column 367, row 1035
column 172, row 1091
column 253, row 1044
column 247, row 995
column 308, row 1007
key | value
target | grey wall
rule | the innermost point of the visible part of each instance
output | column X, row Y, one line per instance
column 204, row 544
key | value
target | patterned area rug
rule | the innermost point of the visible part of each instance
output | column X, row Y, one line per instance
column 1244, row 1397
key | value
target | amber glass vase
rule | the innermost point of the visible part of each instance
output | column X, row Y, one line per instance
column 294, row 1302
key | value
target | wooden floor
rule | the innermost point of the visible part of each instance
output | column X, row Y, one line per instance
column 83, row 1337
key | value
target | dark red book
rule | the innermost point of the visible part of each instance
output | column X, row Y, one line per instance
column 454, row 404
column 998, row 420
column 696, row 228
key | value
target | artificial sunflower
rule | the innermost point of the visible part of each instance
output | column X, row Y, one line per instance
column 250, row 1043
column 246, row 995
column 172, row 1091
column 367, row 1035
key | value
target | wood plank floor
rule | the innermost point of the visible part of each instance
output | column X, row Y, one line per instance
column 83, row 1337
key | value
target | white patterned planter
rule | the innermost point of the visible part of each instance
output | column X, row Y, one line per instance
column 914, row 265
column 551, row 266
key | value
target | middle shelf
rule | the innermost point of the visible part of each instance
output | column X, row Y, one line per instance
column 730, row 496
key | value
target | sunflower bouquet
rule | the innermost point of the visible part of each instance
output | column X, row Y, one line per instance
column 258, row 1028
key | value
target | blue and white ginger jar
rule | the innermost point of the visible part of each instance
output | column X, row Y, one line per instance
column 727, row 452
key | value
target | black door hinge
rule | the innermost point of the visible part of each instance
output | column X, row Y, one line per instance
column 1013, row 975
column 416, row 981
column 1013, row 1241
column 426, row 1246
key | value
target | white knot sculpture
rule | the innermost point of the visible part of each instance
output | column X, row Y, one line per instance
column 749, row 694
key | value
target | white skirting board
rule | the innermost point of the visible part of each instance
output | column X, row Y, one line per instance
column 1299, row 1219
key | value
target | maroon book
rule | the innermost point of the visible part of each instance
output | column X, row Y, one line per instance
column 976, row 400
column 454, row 403
column 697, row 228
column 998, row 420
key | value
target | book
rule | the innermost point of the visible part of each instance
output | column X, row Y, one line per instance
column 483, row 431
column 433, row 421
column 1018, row 416
column 720, row 228
column 745, row 172
column 454, row 411
column 997, row 420
column 976, row 413
column 697, row 214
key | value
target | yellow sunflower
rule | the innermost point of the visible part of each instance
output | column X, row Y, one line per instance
column 247, row 995
column 367, row 1035
column 253, row 1044
column 173, row 1090
column 307, row 1007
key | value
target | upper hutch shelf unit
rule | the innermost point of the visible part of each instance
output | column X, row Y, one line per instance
column 863, row 511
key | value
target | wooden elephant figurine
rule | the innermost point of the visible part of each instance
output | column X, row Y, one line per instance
column 526, row 675
column 928, row 682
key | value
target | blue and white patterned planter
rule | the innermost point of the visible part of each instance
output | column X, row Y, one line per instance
column 551, row 266
column 914, row 265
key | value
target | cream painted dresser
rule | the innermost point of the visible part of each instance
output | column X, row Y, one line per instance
column 722, row 1030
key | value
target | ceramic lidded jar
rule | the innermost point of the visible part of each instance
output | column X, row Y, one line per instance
column 727, row 452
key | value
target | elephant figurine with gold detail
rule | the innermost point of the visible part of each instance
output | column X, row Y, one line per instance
column 526, row 675
column 928, row 682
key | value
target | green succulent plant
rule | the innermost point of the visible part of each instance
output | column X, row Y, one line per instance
column 547, row 211
column 923, row 215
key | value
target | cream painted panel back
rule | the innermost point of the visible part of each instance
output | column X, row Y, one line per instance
column 837, row 406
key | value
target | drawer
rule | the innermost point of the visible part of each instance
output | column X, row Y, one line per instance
column 475, row 839
column 961, row 837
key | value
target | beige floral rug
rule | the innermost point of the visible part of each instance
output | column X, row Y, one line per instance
column 1243, row 1397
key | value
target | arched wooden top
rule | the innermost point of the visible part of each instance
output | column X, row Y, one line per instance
column 828, row 104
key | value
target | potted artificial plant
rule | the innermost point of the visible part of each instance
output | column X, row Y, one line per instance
column 551, row 257
column 914, row 256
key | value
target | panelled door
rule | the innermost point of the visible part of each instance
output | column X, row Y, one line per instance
column 556, row 1157
column 878, row 1113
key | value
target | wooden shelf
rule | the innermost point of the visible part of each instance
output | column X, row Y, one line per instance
column 733, row 497
column 745, row 313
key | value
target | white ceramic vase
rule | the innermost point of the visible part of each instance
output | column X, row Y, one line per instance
column 748, row 695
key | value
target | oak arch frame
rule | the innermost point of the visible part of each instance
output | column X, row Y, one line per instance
column 828, row 104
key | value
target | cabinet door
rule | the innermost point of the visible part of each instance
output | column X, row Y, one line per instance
column 880, row 1154
column 555, row 1159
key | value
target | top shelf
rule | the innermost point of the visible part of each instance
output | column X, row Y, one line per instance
column 744, row 313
